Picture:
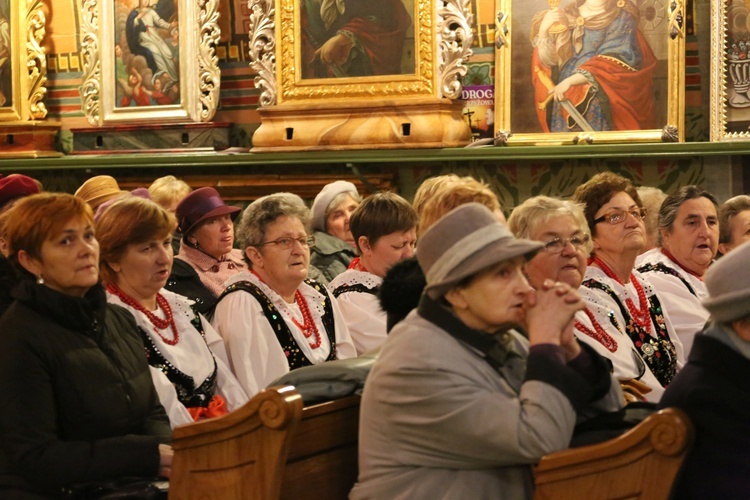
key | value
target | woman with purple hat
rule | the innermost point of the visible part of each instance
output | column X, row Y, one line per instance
column 206, row 259
column 460, row 403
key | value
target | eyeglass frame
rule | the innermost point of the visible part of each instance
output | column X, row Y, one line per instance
column 585, row 238
column 639, row 213
column 308, row 241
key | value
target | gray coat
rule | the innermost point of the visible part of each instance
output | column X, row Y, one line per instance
column 330, row 255
column 438, row 421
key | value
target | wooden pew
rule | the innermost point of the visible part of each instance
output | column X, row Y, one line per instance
column 238, row 456
column 270, row 448
column 642, row 463
column 322, row 460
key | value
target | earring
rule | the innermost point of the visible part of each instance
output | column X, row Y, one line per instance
column 39, row 280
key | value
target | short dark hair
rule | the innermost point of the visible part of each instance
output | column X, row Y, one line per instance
column 597, row 191
column 381, row 214
column 672, row 203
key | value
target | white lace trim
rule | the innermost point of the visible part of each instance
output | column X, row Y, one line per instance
column 353, row 277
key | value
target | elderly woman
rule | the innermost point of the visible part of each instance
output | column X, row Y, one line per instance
column 272, row 319
column 613, row 290
column 207, row 258
column 561, row 226
column 461, row 405
column 136, row 259
column 439, row 195
column 384, row 229
column 688, row 241
column 78, row 402
column 713, row 387
column 334, row 243
column 734, row 223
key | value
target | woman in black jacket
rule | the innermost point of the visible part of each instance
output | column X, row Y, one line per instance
column 79, row 404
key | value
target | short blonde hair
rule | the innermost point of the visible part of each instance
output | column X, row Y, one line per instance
column 168, row 189
column 439, row 195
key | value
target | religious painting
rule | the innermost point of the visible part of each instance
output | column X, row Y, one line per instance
column 150, row 60
column 23, row 66
column 350, row 38
column 589, row 71
column 352, row 48
column 730, row 71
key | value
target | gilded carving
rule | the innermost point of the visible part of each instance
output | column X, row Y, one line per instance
column 263, row 49
column 455, row 38
column 36, row 62
column 90, row 88
column 209, row 76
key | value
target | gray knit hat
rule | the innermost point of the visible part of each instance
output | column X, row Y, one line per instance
column 324, row 198
column 728, row 284
column 465, row 241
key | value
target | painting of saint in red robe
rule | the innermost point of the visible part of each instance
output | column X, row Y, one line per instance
column 352, row 38
column 592, row 54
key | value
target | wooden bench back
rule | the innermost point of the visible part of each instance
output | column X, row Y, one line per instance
column 642, row 463
column 322, row 460
column 240, row 456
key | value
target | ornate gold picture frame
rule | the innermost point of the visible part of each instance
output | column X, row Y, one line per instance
column 23, row 66
column 730, row 71
column 589, row 71
column 149, row 60
column 346, row 74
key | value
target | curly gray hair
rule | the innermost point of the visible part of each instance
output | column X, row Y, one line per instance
column 251, row 229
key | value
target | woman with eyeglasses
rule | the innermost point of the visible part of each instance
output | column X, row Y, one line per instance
column 613, row 290
column 384, row 227
column 687, row 244
column 561, row 226
column 272, row 319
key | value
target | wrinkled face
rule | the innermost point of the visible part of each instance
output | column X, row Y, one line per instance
column 215, row 236
column 144, row 268
column 739, row 230
column 280, row 267
column 694, row 237
column 337, row 222
column 387, row 250
column 493, row 298
column 628, row 235
column 569, row 264
column 69, row 260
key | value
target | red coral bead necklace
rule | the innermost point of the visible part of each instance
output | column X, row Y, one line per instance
column 159, row 324
column 642, row 315
column 598, row 333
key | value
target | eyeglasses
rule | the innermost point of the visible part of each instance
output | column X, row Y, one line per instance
column 620, row 215
column 558, row 244
column 287, row 243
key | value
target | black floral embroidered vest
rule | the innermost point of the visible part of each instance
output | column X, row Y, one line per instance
column 187, row 393
column 659, row 353
column 294, row 355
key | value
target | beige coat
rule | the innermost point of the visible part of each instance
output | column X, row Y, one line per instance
column 437, row 421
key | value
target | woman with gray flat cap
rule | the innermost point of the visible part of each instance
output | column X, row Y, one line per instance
column 460, row 403
column 714, row 387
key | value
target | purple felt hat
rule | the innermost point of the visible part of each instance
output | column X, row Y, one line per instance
column 200, row 205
